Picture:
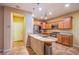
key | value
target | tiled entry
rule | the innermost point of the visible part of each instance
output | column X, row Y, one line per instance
column 20, row 49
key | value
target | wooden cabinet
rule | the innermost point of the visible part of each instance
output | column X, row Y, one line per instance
column 66, row 23
column 59, row 39
column 61, row 24
column 65, row 39
column 48, row 26
column 45, row 25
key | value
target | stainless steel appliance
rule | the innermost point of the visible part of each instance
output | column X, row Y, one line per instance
column 36, row 29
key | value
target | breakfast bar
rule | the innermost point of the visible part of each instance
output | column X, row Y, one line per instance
column 41, row 45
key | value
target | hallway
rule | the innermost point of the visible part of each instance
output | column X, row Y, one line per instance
column 19, row 49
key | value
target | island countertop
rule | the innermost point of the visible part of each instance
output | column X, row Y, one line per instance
column 38, row 43
column 44, row 39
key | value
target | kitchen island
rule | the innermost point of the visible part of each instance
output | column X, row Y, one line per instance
column 38, row 43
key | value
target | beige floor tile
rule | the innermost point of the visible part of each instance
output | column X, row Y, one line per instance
column 58, row 49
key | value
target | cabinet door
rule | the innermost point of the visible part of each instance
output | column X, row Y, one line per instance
column 48, row 26
column 59, row 38
column 43, row 25
column 66, row 40
column 61, row 25
column 67, row 23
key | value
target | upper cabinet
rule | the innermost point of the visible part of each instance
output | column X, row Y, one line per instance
column 61, row 24
column 45, row 25
column 48, row 26
column 66, row 23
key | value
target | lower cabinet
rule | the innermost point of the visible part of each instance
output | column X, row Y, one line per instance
column 65, row 39
column 59, row 39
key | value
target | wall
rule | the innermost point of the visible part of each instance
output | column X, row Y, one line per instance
column 8, row 25
column 1, row 28
column 75, row 29
column 29, row 23
column 29, row 27
column 37, row 22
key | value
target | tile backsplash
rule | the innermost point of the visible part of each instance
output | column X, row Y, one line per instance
column 61, row 31
column 65, row 31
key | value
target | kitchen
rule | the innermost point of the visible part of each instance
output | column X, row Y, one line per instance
column 47, row 31
column 60, row 28
column 55, row 36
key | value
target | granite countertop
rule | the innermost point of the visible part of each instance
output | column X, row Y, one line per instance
column 44, row 39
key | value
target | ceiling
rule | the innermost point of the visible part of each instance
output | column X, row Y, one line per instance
column 57, row 9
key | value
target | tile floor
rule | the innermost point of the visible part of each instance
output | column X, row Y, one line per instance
column 58, row 49
column 20, row 49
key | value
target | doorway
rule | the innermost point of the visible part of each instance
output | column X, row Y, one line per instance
column 18, row 30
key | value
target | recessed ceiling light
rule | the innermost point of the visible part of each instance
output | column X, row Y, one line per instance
column 67, row 5
column 50, row 13
column 40, row 9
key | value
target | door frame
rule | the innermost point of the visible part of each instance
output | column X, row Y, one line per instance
column 11, row 41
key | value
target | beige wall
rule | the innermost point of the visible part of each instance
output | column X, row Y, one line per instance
column 75, row 29
column 7, row 25
column 37, row 22
column 1, row 28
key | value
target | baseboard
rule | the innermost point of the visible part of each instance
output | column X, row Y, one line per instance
column 1, row 50
column 76, row 46
column 6, row 50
